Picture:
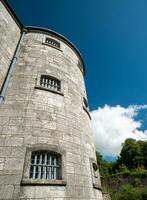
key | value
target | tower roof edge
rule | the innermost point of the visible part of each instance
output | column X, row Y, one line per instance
column 43, row 30
column 64, row 39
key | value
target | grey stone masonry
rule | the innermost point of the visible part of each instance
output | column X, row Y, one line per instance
column 43, row 111
column 9, row 37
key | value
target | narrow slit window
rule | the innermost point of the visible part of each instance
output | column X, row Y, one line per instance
column 50, row 83
column 52, row 42
column 45, row 165
column 95, row 168
column 85, row 102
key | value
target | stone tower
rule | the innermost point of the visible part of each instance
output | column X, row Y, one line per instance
column 46, row 142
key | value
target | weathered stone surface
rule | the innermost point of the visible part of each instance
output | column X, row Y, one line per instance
column 106, row 196
column 9, row 37
column 32, row 118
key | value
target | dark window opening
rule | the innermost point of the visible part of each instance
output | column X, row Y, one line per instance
column 95, row 168
column 45, row 165
column 85, row 102
column 52, row 42
column 50, row 83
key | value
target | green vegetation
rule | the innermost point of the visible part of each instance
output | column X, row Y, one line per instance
column 132, row 160
column 123, row 178
column 128, row 192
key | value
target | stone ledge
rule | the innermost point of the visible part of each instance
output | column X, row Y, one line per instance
column 29, row 182
column 96, row 186
column 44, row 43
column 49, row 90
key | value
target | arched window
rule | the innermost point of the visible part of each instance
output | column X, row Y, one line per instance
column 45, row 165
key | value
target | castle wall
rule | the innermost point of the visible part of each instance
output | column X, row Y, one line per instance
column 31, row 117
column 9, row 37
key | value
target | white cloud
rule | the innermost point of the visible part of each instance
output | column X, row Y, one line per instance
column 112, row 125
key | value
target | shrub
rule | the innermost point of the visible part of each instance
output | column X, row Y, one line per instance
column 144, row 193
column 127, row 192
column 136, row 182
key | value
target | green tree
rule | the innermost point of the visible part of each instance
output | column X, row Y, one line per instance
column 131, row 154
column 103, row 164
column 143, row 145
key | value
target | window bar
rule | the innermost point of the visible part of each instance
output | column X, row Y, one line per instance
column 45, row 82
column 45, row 168
column 58, row 86
column 39, row 171
column 52, row 84
column 49, row 83
column 55, row 169
column 52, row 172
column 42, row 81
column 42, row 166
column 34, row 170
column 50, row 168
column 55, row 86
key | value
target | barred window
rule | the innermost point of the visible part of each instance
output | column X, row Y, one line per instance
column 50, row 83
column 45, row 165
column 52, row 42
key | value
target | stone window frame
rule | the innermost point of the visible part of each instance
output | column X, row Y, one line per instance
column 94, row 173
column 38, row 86
column 50, row 45
column 26, row 180
column 86, row 106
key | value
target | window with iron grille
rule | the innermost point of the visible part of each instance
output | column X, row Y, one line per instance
column 50, row 83
column 52, row 42
column 45, row 165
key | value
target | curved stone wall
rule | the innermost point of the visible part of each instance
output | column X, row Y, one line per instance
column 36, row 118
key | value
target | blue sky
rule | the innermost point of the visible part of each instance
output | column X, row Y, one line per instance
column 112, row 38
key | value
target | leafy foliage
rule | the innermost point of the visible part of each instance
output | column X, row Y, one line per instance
column 128, row 192
column 131, row 154
column 133, row 159
column 131, row 162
